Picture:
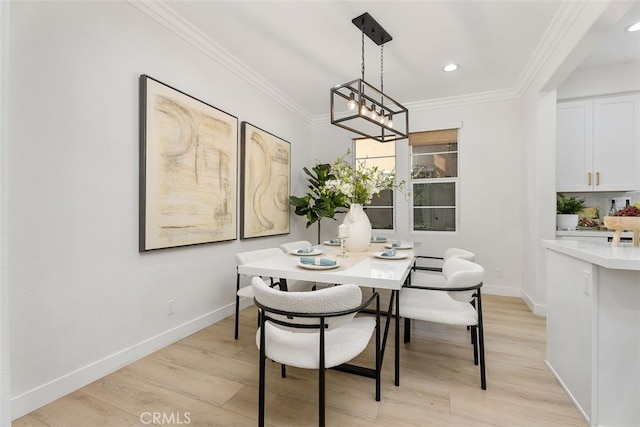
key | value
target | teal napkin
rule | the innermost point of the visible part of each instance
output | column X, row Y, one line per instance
column 378, row 239
column 396, row 244
column 306, row 250
column 312, row 260
column 389, row 252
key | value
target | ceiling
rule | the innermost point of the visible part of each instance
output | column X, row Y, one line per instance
column 302, row 48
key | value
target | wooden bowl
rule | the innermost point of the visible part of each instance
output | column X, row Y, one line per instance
column 623, row 223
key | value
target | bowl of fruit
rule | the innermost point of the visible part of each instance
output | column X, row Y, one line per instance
column 625, row 219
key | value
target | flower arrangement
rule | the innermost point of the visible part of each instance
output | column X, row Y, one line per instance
column 358, row 183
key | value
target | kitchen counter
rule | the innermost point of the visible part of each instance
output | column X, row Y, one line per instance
column 591, row 233
column 623, row 257
column 593, row 319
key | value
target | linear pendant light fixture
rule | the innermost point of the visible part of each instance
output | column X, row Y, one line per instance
column 360, row 107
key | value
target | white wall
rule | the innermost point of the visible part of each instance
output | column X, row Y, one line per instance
column 490, row 182
column 604, row 80
column 591, row 21
column 5, row 393
column 84, row 302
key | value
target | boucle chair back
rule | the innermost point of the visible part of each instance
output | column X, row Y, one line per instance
column 250, row 256
column 461, row 273
column 459, row 253
column 288, row 247
column 327, row 300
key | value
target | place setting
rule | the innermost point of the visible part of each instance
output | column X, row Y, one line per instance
column 399, row 245
column 306, row 251
column 391, row 254
column 317, row 263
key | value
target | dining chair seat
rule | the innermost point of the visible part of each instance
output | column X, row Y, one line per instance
column 436, row 306
column 302, row 349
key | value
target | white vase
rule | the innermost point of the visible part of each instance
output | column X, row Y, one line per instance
column 566, row 222
column 359, row 229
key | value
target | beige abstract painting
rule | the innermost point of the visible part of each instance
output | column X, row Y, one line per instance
column 188, row 169
column 266, row 169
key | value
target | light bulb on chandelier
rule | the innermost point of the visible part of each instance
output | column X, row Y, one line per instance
column 352, row 104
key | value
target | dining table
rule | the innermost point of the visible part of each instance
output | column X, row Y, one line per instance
column 370, row 269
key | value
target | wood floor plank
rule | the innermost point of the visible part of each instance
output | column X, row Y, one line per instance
column 214, row 378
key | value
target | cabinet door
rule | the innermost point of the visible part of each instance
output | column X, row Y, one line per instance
column 616, row 143
column 574, row 146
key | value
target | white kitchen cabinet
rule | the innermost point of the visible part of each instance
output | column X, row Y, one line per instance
column 593, row 318
column 598, row 144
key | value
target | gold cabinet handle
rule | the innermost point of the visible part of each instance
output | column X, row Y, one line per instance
column 589, row 178
column 597, row 178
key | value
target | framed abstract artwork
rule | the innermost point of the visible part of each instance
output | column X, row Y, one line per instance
column 266, row 176
column 188, row 169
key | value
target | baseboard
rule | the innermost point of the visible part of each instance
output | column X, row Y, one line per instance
column 502, row 291
column 537, row 309
column 48, row 392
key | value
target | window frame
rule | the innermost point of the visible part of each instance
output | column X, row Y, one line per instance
column 455, row 180
column 393, row 206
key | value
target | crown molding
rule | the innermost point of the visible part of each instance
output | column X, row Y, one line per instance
column 173, row 21
column 169, row 18
column 561, row 23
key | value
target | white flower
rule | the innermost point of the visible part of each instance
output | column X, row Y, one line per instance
column 359, row 184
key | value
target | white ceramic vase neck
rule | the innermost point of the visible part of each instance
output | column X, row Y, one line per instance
column 359, row 229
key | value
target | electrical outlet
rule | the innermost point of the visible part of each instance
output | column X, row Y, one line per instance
column 499, row 273
column 170, row 307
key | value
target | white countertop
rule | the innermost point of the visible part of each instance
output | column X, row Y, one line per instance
column 623, row 257
column 591, row 233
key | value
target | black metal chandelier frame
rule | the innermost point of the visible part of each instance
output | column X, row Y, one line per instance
column 362, row 108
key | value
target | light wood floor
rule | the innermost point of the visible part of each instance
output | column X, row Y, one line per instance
column 209, row 379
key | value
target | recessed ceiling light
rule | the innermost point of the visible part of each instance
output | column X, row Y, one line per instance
column 450, row 67
column 634, row 27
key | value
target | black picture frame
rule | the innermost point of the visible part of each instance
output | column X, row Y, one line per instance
column 266, row 183
column 188, row 169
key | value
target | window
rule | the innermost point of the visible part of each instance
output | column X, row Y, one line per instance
column 374, row 153
column 434, row 179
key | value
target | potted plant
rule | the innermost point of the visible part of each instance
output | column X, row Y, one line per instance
column 318, row 202
column 567, row 209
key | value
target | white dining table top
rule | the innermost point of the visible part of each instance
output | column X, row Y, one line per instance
column 369, row 271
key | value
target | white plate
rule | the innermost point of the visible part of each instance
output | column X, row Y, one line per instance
column 318, row 267
column 396, row 256
column 312, row 253
column 328, row 243
column 402, row 246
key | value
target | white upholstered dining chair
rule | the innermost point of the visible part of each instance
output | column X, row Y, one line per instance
column 314, row 330
column 247, row 291
column 431, row 275
column 459, row 303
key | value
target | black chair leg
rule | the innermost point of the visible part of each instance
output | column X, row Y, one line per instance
column 321, row 377
column 483, row 375
column 474, row 341
column 283, row 371
column 261, row 389
column 237, row 306
column 407, row 330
